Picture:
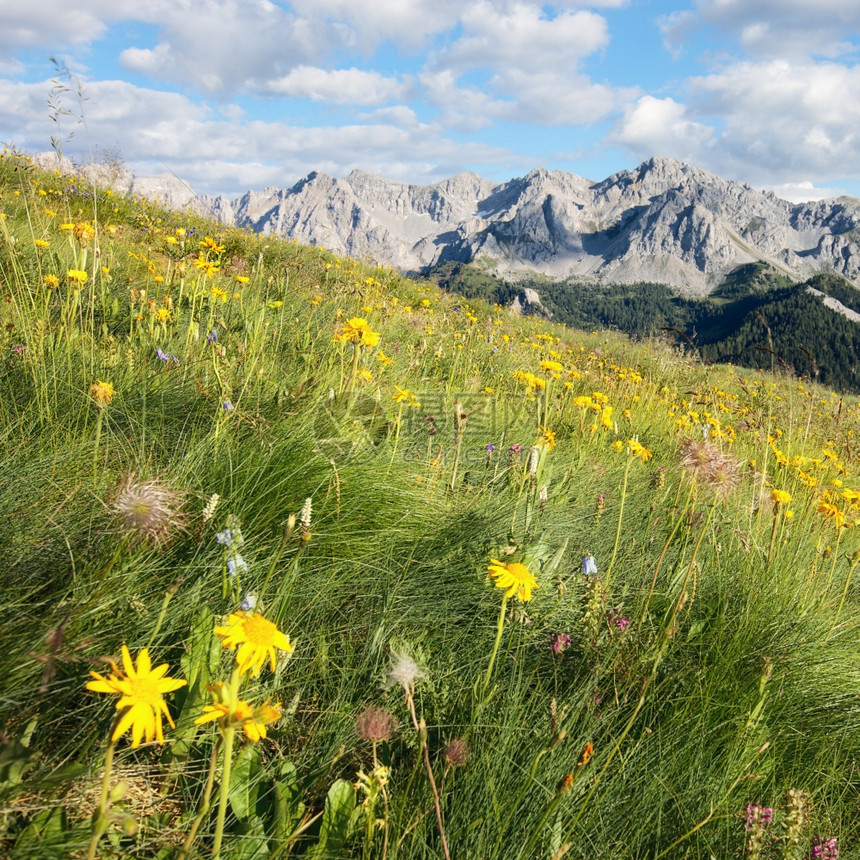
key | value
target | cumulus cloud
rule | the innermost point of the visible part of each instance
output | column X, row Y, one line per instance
column 51, row 24
column 157, row 132
column 523, row 38
column 661, row 126
column 770, row 28
column 340, row 86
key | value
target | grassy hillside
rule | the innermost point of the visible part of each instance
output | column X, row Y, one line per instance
column 418, row 579
column 757, row 317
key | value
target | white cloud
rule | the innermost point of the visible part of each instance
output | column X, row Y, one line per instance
column 230, row 45
column 155, row 132
column 653, row 126
column 523, row 38
column 804, row 192
column 771, row 28
column 54, row 24
column 340, row 86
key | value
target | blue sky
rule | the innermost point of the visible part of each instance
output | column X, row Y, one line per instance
column 238, row 94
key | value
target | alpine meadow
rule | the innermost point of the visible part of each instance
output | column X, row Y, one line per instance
column 304, row 558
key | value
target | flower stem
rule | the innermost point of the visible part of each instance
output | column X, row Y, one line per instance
column 606, row 578
column 500, row 626
column 102, row 819
column 205, row 801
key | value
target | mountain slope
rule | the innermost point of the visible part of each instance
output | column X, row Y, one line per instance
column 665, row 222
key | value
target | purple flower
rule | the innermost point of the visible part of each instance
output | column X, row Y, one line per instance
column 228, row 406
column 558, row 642
column 515, row 449
column 622, row 622
column 589, row 566
column 491, row 447
column 163, row 356
column 17, row 350
column 825, row 849
column 212, row 336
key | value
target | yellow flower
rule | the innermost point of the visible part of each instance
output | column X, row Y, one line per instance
column 77, row 276
column 357, row 330
column 102, row 392
column 781, row 497
column 639, row 451
column 831, row 511
column 41, row 243
column 547, row 438
column 252, row 720
column 381, row 356
column 140, row 690
column 551, row 366
column 514, row 577
column 51, row 281
column 256, row 639
column 218, row 293
column 162, row 315
column 404, row 395
column 242, row 279
column 209, row 244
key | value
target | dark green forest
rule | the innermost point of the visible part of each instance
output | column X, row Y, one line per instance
column 756, row 318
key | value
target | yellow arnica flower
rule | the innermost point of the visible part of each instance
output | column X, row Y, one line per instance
column 639, row 451
column 77, row 276
column 41, row 243
column 252, row 720
column 51, row 281
column 547, row 438
column 404, row 395
column 514, row 577
column 140, row 689
column 781, row 497
column 831, row 511
column 357, row 330
column 551, row 366
column 256, row 638
column 102, row 392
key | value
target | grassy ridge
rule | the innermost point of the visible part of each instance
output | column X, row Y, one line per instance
column 664, row 706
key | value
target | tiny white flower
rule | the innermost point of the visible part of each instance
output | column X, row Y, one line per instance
column 249, row 604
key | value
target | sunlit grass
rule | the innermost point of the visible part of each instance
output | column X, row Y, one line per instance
column 201, row 424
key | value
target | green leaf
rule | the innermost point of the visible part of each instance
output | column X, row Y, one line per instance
column 245, row 781
column 248, row 841
column 334, row 831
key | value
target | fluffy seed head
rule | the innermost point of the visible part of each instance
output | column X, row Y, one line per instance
column 458, row 752
column 375, row 724
column 148, row 509
column 720, row 472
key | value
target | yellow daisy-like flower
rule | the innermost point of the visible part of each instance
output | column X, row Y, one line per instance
column 551, row 366
column 404, row 395
column 514, row 577
column 41, row 243
column 831, row 511
column 252, row 720
column 77, row 276
column 255, row 637
column 140, row 689
column 781, row 497
column 102, row 392
column 51, row 281
column 638, row 450
column 357, row 330
column 547, row 438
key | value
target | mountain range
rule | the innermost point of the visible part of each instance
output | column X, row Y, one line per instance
column 663, row 222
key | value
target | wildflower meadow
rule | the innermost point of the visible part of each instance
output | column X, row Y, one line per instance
column 304, row 558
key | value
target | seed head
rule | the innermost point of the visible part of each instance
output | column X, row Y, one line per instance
column 458, row 752
column 375, row 724
column 403, row 671
column 148, row 510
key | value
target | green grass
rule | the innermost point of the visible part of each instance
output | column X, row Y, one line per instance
column 712, row 663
